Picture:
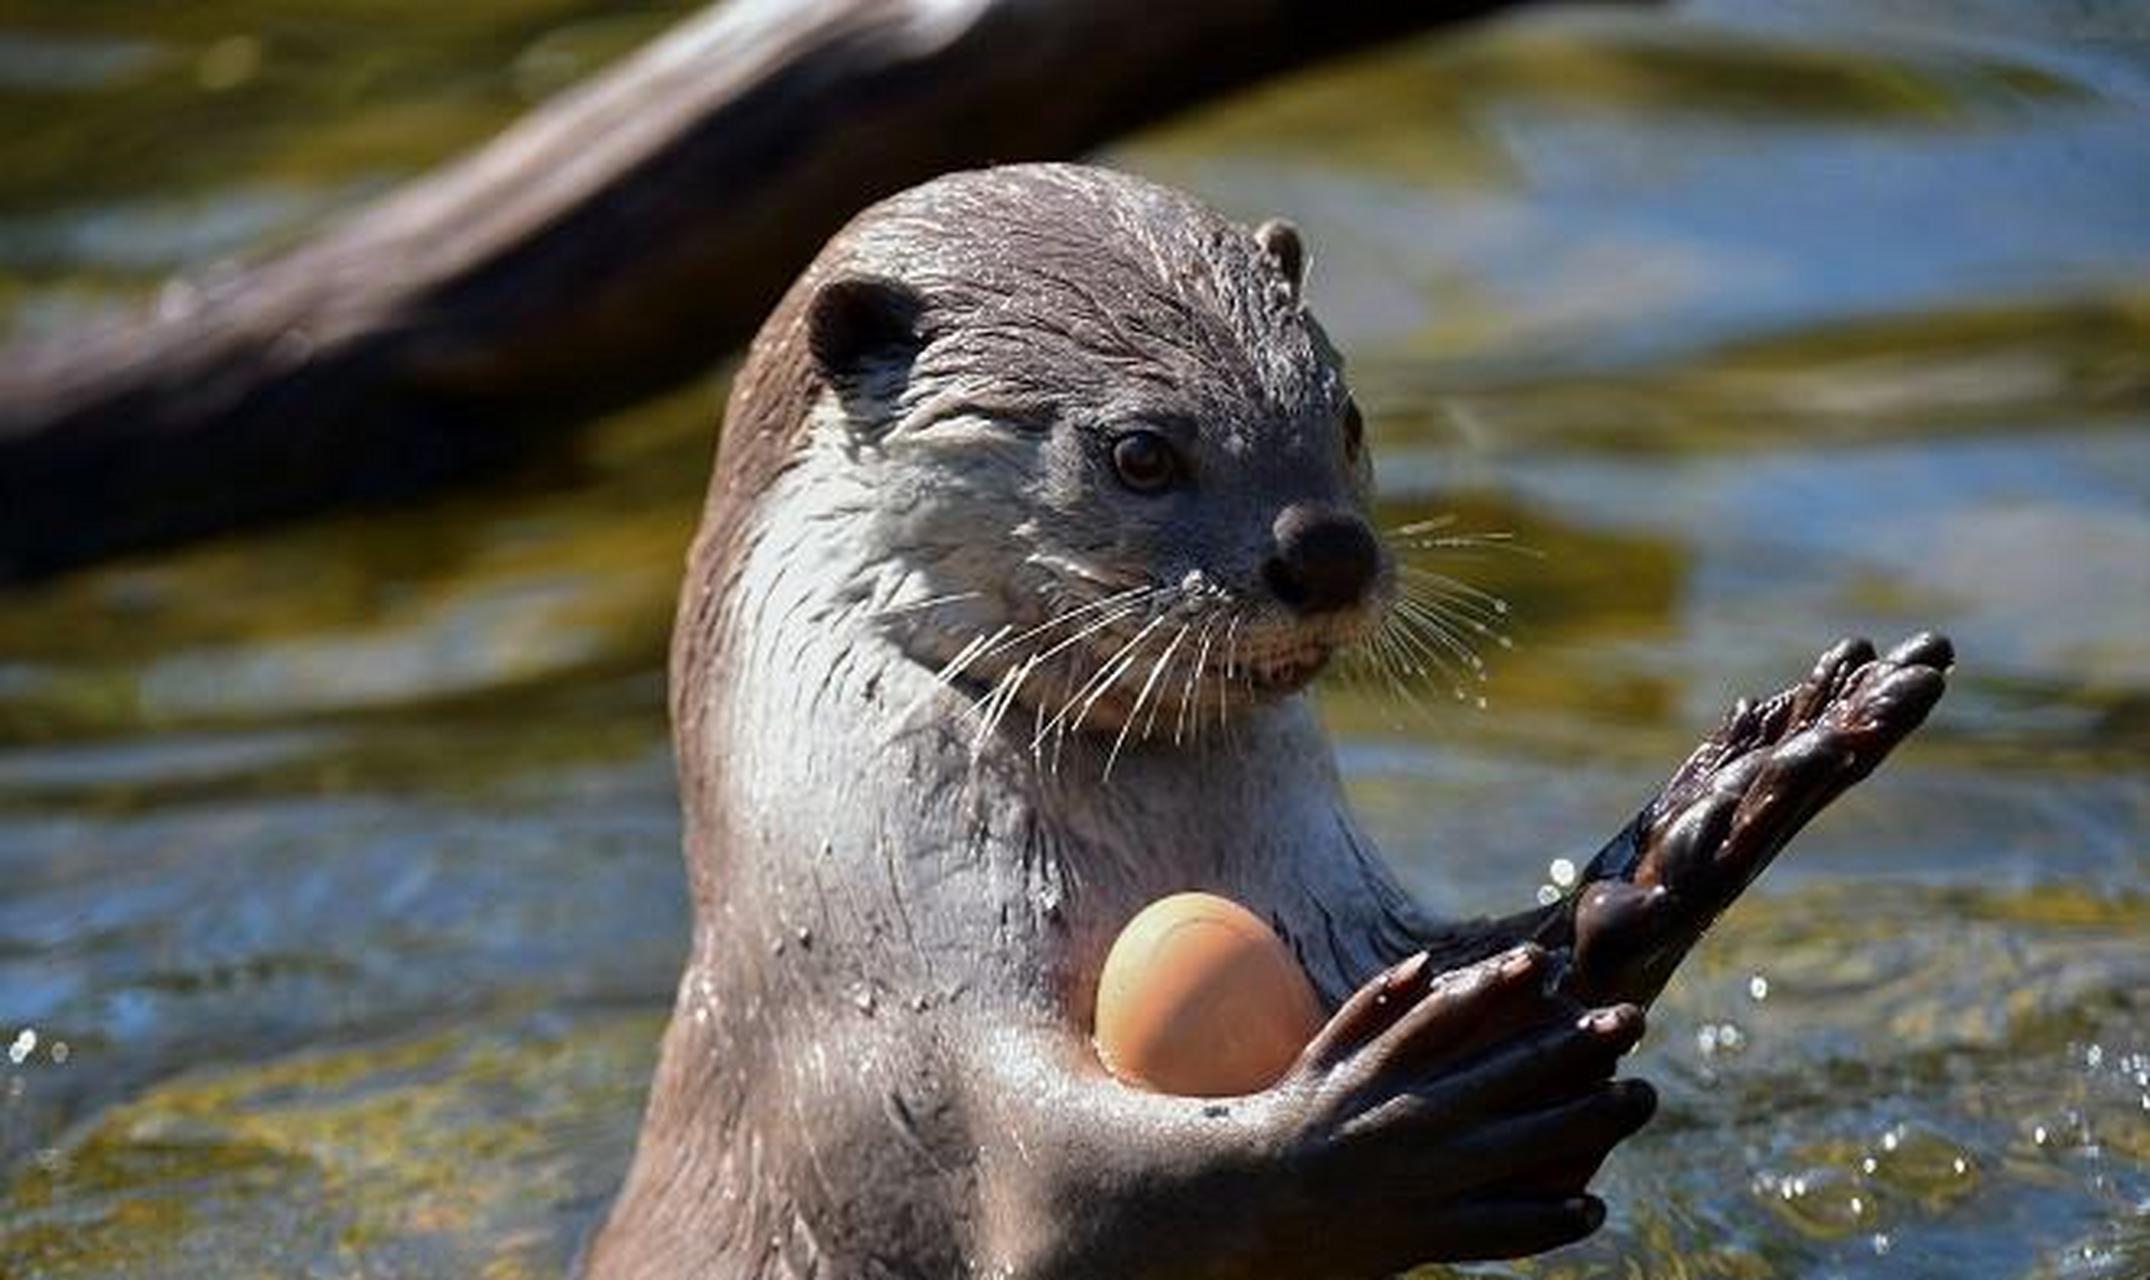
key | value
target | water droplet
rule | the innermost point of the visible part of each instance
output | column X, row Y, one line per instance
column 1758, row 988
column 25, row 1045
column 1480, row 703
column 1562, row 872
column 2094, row 1056
column 1960, row 1165
column 1868, row 1165
column 2038, row 1135
column 60, row 1052
column 1547, row 895
column 1504, row 642
column 1882, row 1243
column 1894, row 1138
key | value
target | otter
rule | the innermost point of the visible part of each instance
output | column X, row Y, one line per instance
column 1040, row 500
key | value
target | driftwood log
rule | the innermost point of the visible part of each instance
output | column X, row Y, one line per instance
column 615, row 241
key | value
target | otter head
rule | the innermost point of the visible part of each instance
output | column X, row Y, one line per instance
column 1107, row 462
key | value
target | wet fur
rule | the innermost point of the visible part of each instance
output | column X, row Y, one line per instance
column 876, row 897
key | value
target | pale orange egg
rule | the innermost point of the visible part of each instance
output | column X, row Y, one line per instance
column 1199, row 997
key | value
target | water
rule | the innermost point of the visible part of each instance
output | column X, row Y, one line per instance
column 342, row 899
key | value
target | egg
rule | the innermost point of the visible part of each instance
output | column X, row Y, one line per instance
column 1199, row 997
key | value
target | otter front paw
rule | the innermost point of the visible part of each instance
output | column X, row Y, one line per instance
column 1453, row 1116
column 1732, row 807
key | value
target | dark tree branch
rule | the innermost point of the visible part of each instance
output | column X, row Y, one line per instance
column 611, row 243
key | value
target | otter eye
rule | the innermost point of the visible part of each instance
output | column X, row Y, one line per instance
column 1354, row 431
column 1144, row 461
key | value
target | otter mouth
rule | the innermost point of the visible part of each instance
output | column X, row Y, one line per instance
column 1217, row 663
column 1285, row 673
column 1145, row 661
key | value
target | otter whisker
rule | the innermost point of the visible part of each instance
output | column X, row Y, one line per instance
column 1092, row 628
column 1414, row 652
column 1429, row 535
column 1460, row 600
column 1431, row 636
column 1124, row 605
column 1140, row 600
column 1113, row 670
column 1459, row 617
column 1378, row 649
column 1461, row 608
column 1142, row 695
column 1365, row 666
column 1473, row 542
column 1005, row 637
column 1403, row 658
column 1036, row 659
column 1194, row 680
column 1224, row 676
column 1428, row 622
column 1134, row 711
column 1456, row 586
column 1441, row 586
column 1002, row 698
column 1434, row 524
column 1438, row 614
column 989, row 708
column 1100, row 681
column 980, row 711
column 1467, row 542
column 1130, row 598
column 1073, row 690
column 1231, row 668
column 1398, row 661
column 953, row 668
column 965, row 656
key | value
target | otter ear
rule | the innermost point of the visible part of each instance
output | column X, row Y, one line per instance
column 1280, row 240
column 857, row 326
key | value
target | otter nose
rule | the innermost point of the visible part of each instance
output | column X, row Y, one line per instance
column 1324, row 558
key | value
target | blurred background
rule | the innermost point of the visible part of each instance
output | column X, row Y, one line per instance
column 339, row 891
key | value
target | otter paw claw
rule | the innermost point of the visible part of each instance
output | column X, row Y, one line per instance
column 1430, row 1095
column 1735, row 803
